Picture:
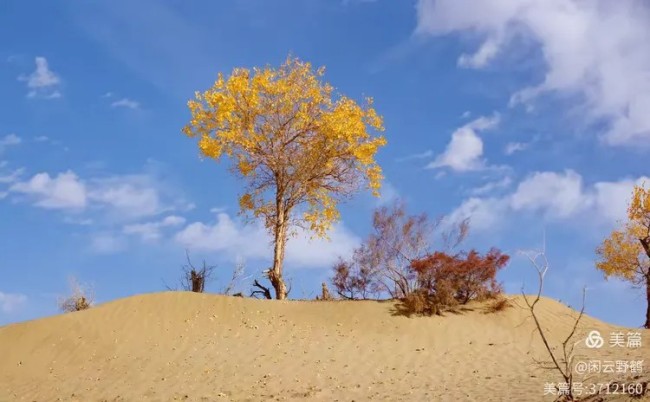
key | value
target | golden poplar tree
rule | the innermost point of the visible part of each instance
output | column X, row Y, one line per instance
column 298, row 146
column 626, row 252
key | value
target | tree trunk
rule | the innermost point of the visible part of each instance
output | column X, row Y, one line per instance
column 647, row 311
column 645, row 242
column 280, row 238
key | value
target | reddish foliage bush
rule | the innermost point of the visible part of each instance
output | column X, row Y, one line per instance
column 446, row 279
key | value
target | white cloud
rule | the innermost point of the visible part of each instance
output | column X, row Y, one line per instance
column 130, row 196
column 483, row 55
column 41, row 138
column 121, row 197
column 152, row 231
column 560, row 194
column 65, row 191
column 464, row 151
column 253, row 242
column 595, row 49
column 557, row 196
column 9, row 140
column 126, row 103
column 42, row 82
column 9, row 302
column 611, row 199
column 513, row 147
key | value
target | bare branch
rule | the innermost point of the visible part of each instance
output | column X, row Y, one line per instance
column 562, row 364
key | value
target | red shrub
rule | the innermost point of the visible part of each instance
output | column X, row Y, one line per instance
column 469, row 275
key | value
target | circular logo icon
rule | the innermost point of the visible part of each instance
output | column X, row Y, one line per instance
column 594, row 340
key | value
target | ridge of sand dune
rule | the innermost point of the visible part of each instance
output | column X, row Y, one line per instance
column 185, row 346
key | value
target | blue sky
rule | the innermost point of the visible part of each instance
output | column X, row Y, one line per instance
column 527, row 116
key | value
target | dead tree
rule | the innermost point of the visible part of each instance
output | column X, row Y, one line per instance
column 262, row 290
column 562, row 363
column 194, row 279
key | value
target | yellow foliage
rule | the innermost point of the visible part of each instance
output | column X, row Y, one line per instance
column 622, row 253
column 291, row 139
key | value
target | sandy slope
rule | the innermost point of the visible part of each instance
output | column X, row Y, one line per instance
column 184, row 346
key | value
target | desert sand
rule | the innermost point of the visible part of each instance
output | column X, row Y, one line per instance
column 201, row 347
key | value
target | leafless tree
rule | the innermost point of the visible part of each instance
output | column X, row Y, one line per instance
column 381, row 265
column 561, row 362
column 194, row 279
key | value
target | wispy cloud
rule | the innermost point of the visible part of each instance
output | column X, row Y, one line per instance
column 41, row 138
column 557, row 196
column 594, row 49
column 152, row 231
column 492, row 186
column 42, row 83
column 513, row 147
column 422, row 155
column 126, row 103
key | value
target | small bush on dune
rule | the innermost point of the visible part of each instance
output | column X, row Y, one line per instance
column 416, row 303
column 500, row 303
column 81, row 298
column 444, row 281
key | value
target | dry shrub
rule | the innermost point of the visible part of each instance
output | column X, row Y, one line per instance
column 81, row 297
column 499, row 304
column 421, row 302
column 445, row 281
column 416, row 303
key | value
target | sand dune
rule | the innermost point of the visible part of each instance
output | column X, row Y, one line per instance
column 184, row 346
